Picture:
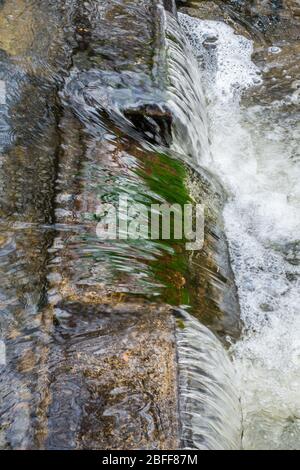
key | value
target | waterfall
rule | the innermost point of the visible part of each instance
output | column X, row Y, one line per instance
column 210, row 412
column 254, row 154
column 209, row 405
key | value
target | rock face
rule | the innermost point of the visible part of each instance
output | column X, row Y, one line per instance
column 114, row 373
column 212, row 285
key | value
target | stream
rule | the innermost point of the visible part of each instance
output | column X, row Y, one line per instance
column 138, row 343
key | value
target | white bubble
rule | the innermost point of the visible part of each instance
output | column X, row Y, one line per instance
column 274, row 50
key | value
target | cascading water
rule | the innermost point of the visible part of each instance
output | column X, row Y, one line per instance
column 87, row 357
column 210, row 412
column 209, row 405
column 254, row 154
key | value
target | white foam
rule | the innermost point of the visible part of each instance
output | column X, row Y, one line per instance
column 255, row 153
column 2, row 92
column 229, row 66
column 2, row 353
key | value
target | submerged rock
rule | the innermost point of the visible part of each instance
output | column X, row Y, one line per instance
column 112, row 378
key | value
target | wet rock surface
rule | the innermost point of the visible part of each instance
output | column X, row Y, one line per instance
column 112, row 378
column 213, row 290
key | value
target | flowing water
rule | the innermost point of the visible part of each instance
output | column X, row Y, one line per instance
column 210, row 412
column 79, row 321
column 254, row 152
column 87, row 326
column 156, row 117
